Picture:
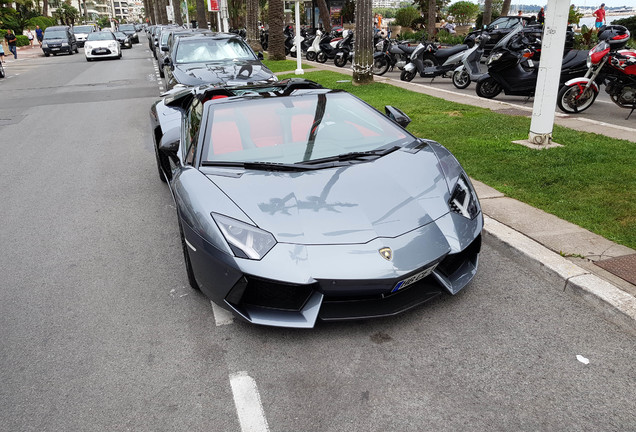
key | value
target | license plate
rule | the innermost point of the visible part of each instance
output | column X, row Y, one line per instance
column 412, row 279
column 55, row 49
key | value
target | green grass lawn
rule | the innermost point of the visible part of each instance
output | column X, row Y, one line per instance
column 591, row 181
column 283, row 65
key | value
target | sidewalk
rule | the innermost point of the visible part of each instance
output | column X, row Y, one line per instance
column 601, row 272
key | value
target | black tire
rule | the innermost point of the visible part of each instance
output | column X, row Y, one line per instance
column 47, row 54
column 87, row 59
column 573, row 99
column 161, row 162
column 461, row 79
column 380, row 66
column 488, row 88
column 340, row 61
column 70, row 52
column 321, row 57
column 311, row 55
column 76, row 49
column 119, row 56
column 188, row 264
column 429, row 61
column 1, row 71
column 161, row 73
column 407, row 76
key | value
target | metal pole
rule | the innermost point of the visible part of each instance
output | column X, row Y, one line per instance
column 187, row 14
column 547, row 88
column 299, row 69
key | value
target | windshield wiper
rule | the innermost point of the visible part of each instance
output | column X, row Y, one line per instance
column 263, row 166
column 360, row 156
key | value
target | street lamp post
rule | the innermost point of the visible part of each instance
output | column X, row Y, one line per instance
column 299, row 69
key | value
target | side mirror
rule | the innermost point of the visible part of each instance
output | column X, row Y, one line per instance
column 169, row 146
column 167, row 61
column 397, row 116
column 260, row 55
column 156, row 44
column 164, row 48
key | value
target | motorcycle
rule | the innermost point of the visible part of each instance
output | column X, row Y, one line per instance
column 470, row 70
column 430, row 61
column 344, row 50
column 289, row 39
column 607, row 65
column 511, row 68
column 390, row 54
column 314, row 48
column 306, row 40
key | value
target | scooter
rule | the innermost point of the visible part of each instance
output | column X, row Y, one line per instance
column 511, row 68
column 344, row 50
column 314, row 48
column 430, row 61
column 470, row 70
column 328, row 48
column 306, row 40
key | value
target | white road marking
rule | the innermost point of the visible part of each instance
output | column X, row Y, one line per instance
column 582, row 359
column 221, row 316
column 248, row 403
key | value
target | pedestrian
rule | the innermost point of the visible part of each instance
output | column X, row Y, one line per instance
column 600, row 17
column 11, row 41
column 30, row 36
column 39, row 34
column 1, row 54
column 520, row 13
column 541, row 17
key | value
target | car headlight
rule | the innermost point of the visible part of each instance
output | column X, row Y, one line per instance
column 112, row 45
column 87, row 47
column 64, row 44
column 246, row 241
column 463, row 200
column 44, row 45
column 495, row 57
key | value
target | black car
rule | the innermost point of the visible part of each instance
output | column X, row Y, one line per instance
column 501, row 26
column 218, row 58
column 130, row 30
column 123, row 39
column 59, row 39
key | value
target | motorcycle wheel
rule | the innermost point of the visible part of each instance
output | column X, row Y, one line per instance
column 311, row 55
column 340, row 60
column 574, row 100
column 380, row 66
column 488, row 88
column 461, row 79
column 321, row 57
column 407, row 76
column 429, row 61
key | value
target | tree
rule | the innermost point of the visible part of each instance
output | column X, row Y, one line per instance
column 505, row 8
column 325, row 16
column 349, row 11
column 202, row 19
column 176, row 11
column 430, row 22
column 404, row 17
column 253, row 38
column 66, row 13
column 276, row 19
column 363, row 59
column 463, row 12
column 487, row 17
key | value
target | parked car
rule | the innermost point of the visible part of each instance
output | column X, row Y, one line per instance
column 102, row 45
column 297, row 203
column 501, row 26
column 123, row 39
column 59, row 39
column 131, row 31
column 213, row 59
column 82, row 31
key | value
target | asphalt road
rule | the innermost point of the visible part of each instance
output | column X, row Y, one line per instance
column 100, row 332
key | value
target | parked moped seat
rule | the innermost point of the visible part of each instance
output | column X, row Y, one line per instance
column 447, row 52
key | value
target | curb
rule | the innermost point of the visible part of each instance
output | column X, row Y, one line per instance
column 614, row 304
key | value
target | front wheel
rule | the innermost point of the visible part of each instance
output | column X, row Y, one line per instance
column 321, row 57
column 407, row 76
column 576, row 98
column 380, row 66
column 461, row 79
column 340, row 60
column 488, row 88
column 311, row 55
column 76, row 49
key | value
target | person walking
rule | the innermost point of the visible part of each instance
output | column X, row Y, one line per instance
column 541, row 17
column 1, row 54
column 11, row 41
column 39, row 34
column 600, row 17
column 30, row 36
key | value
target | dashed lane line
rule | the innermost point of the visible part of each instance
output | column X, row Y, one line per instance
column 248, row 403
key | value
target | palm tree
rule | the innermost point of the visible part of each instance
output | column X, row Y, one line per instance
column 202, row 20
column 487, row 12
column 176, row 10
column 505, row 8
column 251, row 24
column 430, row 25
column 324, row 15
column 363, row 49
column 276, row 19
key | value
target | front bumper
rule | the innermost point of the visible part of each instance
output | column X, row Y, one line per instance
column 294, row 286
column 100, row 52
column 57, row 49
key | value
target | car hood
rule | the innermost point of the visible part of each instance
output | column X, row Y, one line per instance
column 239, row 72
column 352, row 204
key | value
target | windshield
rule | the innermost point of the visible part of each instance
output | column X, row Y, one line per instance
column 100, row 36
column 201, row 50
column 55, row 34
column 509, row 36
column 83, row 29
column 121, row 35
column 127, row 27
column 297, row 129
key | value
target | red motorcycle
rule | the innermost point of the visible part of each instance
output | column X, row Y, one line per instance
column 607, row 64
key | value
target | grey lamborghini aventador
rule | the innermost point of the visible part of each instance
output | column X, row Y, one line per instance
column 297, row 203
